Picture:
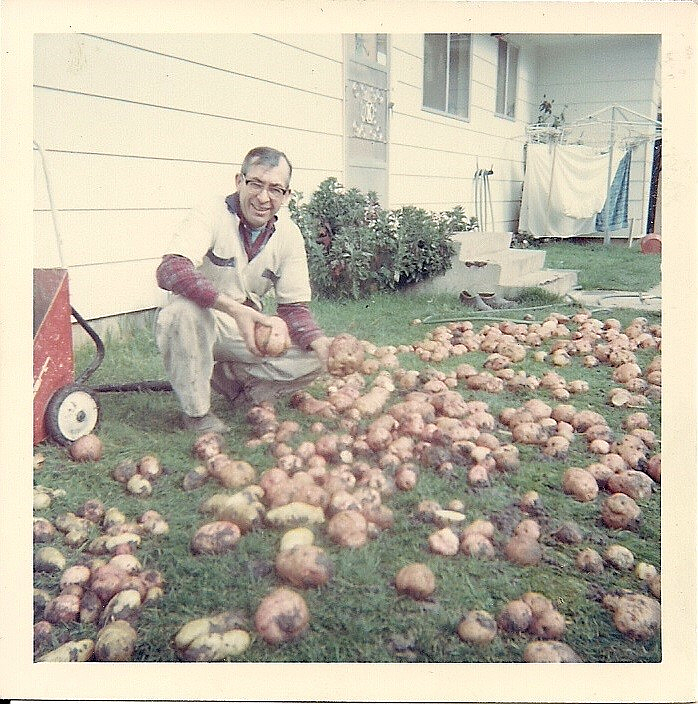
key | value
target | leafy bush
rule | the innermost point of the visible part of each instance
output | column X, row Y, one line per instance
column 355, row 247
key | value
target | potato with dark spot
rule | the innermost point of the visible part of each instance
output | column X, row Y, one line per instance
column 515, row 617
column 215, row 538
column 115, row 642
column 281, row 616
column 477, row 627
column 304, row 566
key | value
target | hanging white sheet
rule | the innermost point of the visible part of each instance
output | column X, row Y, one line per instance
column 564, row 188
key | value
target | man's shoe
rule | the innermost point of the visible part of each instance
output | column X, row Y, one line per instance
column 494, row 300
column 204, row 424
column 473, row 301
column 226, row 385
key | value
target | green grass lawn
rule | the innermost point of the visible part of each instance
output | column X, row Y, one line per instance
column 358, row 616
column 605, row 267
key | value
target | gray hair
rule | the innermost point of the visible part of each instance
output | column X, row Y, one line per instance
column 265, row 156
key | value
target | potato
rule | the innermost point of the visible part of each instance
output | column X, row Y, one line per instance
column 637, row 616
column 588, row 560
column 444, row 542
column 72, row 651
column 212, row 638
column 295, row 537
column 77, row 574
column 293, row 515
column 123, row 606
column 580, row 484
column 208, row 445
column 550, row 651
column 281, row 616
column 477, row 627
column 43, row 530
column 550, row 624
column 92, row 510
column 215, row 538
column 348, row 529
column 270, row 342
column 346, row 355
column 645, row 571
column 415, row 580
column 62, row 609
column 304, row 566
column 636, row 485
column 49, row 559
column 115, row 642
column 88, row 448
column 477, row 545
column 528, row 528
column 515, row 617
column 620, row 512
column 523, row 551
column 139, row 486
column 619, row 557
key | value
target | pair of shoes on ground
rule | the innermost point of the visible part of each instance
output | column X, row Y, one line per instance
column 485, row 301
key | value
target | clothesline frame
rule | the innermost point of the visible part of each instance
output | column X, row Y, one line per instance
column 620, row 117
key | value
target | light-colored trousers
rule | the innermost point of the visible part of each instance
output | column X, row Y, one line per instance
column 192, row 339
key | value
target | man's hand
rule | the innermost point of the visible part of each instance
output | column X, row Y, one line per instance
column 245, row 317
column 321, row 347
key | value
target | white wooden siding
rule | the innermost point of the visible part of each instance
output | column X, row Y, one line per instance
column 136, row 128
column 433, row 157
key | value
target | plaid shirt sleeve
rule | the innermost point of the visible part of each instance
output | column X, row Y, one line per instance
column 178, row 274
column 300, row 322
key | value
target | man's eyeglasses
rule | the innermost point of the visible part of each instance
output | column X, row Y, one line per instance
column 255, row 186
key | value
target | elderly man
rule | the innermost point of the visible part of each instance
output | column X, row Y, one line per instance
column 224, row 257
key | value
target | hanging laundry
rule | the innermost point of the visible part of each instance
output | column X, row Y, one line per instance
column 617, row 199
column 580, row 180
column 537, row 217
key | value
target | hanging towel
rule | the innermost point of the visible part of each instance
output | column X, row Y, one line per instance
column 536, row 217
column 580, row 180
column 617, row 199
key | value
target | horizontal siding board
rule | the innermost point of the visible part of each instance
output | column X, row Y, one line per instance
column 94, row 181
column 100, row 237
column 83, row 122
column 170, row 70
column 101, row 290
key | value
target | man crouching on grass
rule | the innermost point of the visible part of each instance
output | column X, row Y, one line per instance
column 224, row 257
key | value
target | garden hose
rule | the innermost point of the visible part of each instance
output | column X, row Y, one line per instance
column 431, row 320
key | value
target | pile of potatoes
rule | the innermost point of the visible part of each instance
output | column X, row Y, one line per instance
column 374, row 429
column 531, row 614
column 108, row 588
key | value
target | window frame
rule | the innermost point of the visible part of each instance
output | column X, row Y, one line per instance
column 509, row 45
column 445, row 112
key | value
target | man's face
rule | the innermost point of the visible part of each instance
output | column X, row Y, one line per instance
column 262, row 192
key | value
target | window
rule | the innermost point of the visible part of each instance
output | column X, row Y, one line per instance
column 372, row 48
column 507, row 73
column 447, row 73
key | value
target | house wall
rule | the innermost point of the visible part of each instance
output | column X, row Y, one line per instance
column 590, row 73
column 136, row 128
column 434, row 157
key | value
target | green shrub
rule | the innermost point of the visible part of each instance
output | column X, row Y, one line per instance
column 356, row 248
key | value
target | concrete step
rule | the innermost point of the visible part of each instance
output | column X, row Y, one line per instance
column 559, row 281
column 515, row 263
column 475, row 244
